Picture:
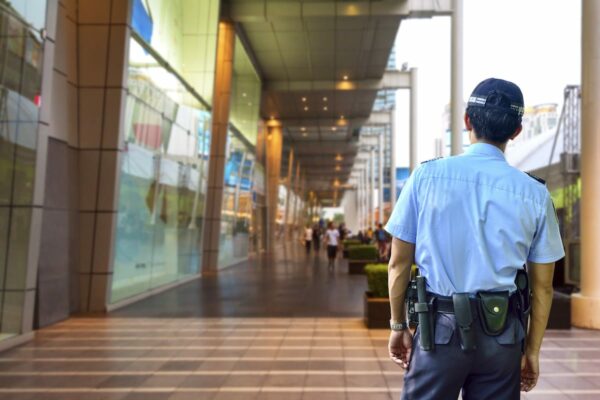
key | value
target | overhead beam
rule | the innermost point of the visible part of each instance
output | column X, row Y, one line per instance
column 391, row 80
column 267, row 11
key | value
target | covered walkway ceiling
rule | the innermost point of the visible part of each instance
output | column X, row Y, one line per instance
column 322, row 63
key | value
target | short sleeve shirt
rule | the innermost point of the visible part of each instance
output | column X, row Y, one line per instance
column 332, row 237
column 475, row 221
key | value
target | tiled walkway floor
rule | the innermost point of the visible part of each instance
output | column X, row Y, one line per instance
column 289, row 358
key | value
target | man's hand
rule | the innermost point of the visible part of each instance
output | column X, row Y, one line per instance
column 530, row 370
column 400, row 347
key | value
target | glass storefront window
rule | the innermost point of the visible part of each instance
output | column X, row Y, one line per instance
column 183, row 32
column 236, row 214
column 21, row 54
column 164, row 173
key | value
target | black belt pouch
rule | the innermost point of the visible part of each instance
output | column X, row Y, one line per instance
column 493, row 310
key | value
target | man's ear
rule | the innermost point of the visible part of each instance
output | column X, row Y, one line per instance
column 468, row 123
column 517, row 132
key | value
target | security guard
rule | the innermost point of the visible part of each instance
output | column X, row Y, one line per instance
column 471, row 223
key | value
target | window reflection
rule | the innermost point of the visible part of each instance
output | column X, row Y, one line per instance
column 236, row 214
column 163, row 180
column 21, row 54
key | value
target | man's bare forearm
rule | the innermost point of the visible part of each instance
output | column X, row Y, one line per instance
column 541, row 286
column 403, row 254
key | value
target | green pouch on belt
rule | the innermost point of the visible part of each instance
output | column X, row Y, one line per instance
column 493, row 310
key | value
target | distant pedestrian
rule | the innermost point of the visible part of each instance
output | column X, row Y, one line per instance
column 308, row 237
column 381, row 240
column 332, row 238
column 316, row 238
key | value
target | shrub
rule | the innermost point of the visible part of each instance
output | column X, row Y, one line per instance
column 351, row 242
column 377, row 278
column 363, row 252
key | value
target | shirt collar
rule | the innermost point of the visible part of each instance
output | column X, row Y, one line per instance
column 485, row 149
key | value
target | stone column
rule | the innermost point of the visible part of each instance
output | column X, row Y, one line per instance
column 585, row 305
column 380, row 176
column 297, row 198
column 372, row 189
column 274, row 149
column 103, row 35
column 216, row 164
column 393, row 162
column 414, row 137
column 290, row 190
column 456, row 91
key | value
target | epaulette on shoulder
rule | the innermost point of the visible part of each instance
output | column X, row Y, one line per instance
column 433, row 159
column 537, row 178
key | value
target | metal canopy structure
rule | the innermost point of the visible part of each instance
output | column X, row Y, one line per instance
column 322, row 63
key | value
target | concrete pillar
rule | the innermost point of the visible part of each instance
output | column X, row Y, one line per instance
column 380, row 176
column 456, row 90
column 216, row 164
column 274, row 149
column 290, row 189
column 414, row 138
column 585, row 305
column 365, row 198
column 296, row 204
column 372, row 189
column 393, row 159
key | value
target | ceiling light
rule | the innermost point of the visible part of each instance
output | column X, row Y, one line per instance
column 338, row 168
column 339, row 157
column 324, row 98
column 305, row 134
column 325, row 108
column 244, row 94
column 305, row 108
column 304, row 99
column 345, row 77
column 303, row 129
column 333, row 128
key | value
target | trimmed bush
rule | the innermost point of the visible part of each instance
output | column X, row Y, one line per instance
column 363, row 252
column 351, row 242
column 377, row 278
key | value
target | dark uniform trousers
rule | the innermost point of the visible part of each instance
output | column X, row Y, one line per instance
column 492, row 372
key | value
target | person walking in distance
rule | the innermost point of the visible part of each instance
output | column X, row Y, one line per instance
column 316, row 239
column 381, row 240
column 473, row 225
column 308, row 237
column 332, row 236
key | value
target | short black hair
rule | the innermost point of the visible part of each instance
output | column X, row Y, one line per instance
column 493, row 124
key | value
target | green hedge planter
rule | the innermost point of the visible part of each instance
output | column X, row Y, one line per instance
column 377, row 313
column 359, row 256
column 350, row 243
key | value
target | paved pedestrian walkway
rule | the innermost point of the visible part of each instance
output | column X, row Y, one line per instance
column 141, row 353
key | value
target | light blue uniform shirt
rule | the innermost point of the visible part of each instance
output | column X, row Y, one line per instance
column 475, row 221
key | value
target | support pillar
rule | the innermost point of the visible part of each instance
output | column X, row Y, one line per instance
column 290, row 189
column 456, row 89
column 393, row 159
column 585, row 305
column 216, row 164
column 372, row 190
column 380, row 176
column 274, row 149
column 413, row 140
column 296, row 198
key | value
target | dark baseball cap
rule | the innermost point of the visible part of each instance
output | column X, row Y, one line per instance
column 498, row 94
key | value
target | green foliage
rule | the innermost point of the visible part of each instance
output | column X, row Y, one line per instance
column 363, row 252
column 377, row 278
column 338, row 218
column 351, row 242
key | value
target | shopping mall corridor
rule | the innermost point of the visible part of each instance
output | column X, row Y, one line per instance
column 283, row 328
